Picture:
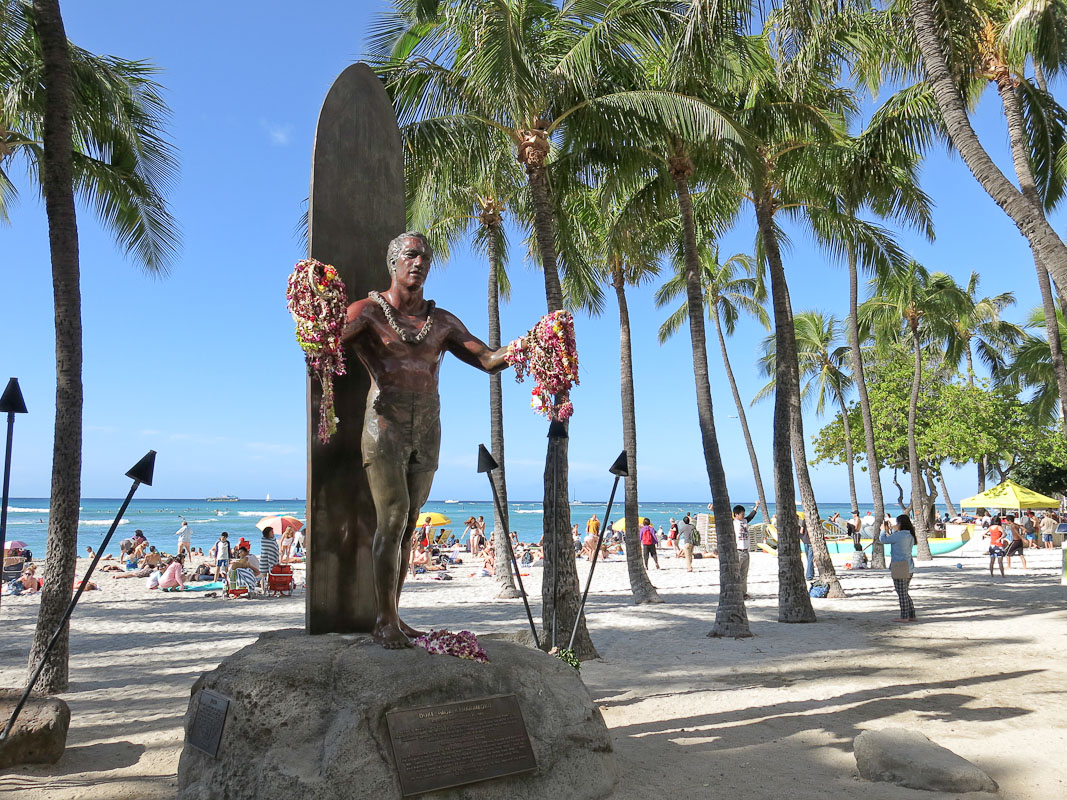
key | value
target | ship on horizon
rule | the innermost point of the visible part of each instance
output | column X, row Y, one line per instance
column 226, row 498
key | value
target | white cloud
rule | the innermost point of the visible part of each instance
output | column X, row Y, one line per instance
column 278, row 134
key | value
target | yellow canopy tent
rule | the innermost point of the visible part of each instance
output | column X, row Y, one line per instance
column 1009, row 495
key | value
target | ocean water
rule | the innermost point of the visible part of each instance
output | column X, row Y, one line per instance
column 27, row 519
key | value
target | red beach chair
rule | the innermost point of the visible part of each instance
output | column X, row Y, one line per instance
column 280, row 580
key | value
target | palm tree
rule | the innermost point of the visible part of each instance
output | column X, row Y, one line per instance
column 923, row 303
column 980, row 328
column 726, row 295
column 991, row 42
column 92, row 125
column 452, row 200
column 821, row 359
column 1030, row 368
column 610, row 237
column 537, row 73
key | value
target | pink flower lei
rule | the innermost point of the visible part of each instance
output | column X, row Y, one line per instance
column 318, row 302
column 548, row 353
column 446, row 643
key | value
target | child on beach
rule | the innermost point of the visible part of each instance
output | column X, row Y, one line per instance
column 222, row 555
column 995, row 534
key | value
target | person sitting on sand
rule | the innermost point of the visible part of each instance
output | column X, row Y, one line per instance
column 489, row 562
column 172, row 579
column 420, row 559
column 144, row 572
column 89, row 553
column 26, row 583
column 244, row 570
column 152, row 557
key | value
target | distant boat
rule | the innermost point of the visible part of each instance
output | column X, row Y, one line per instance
column 451, row 501
column 226, row 498
column 268, row 497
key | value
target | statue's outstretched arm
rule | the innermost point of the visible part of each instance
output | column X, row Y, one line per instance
column 468, row 348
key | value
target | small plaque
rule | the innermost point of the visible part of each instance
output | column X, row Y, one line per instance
column 205, row 731
column 438, row 747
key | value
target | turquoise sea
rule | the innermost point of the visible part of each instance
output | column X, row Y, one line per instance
column 159, row 519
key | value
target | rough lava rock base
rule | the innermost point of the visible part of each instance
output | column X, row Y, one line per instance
column 39, row 735
column 910, row 759
column 307, row 720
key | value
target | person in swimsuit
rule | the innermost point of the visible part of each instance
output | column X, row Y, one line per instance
column 1015, row 545
column 401, row 338
column 996, row 545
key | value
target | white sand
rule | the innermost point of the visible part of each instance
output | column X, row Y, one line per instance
column 983, row 673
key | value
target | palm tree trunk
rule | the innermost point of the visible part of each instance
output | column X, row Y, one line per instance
column 731, row 617
column 560, row 595
column 640, row 585
column 794, row 604
column 981, row 474
column 1020, row 159
column 1028, row 218
column 57, row 181
column 816, row 533
column 944, row 491
column 917, row 493
column 849, row 455
column 742, row 419
column 501, row 524
column 877, row 551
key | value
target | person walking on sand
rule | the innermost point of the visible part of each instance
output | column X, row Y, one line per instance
column 648, row 542
column 593, row 526
column 741, row 533
column 995, row 534
column 901, row 566
column 1016, row 546
column 185, row 539
column 1048, row 528
column 222, row 555
column 684, row 541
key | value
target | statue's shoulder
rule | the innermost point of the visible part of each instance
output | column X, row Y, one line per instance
column 359, row 309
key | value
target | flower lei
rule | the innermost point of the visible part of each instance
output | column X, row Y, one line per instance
column 548, row 353
column 446, row 643
column 318, row 302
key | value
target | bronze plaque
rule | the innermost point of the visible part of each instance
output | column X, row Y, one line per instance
column 205, row 731
column 437, row 747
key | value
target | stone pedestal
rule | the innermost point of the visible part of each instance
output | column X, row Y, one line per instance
column 40, row 733
column 307, row 719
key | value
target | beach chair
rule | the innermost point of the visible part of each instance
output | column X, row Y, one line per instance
column 13, row 568
column 280, row 580
column 240, row 582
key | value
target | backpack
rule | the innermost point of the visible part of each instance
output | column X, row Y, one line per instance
column 695, row 537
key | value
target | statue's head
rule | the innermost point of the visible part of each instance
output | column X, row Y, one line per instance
column 396, row 247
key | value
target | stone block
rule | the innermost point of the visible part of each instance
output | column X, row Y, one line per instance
column 39, row 735
column 307, row 719
column 910, row 759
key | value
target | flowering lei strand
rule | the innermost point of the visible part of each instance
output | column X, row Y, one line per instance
column 446, row 643
column 318, row 301
column 548, row 353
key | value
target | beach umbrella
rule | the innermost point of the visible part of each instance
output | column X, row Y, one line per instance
column 436, row 518
column 279, row 524
column 620, row 525
column 1009, row 495
column 15, row 545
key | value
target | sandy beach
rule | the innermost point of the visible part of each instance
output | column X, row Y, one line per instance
column 983, row 672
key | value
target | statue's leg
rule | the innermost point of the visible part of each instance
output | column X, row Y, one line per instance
column 419, row 484
column 389, row 487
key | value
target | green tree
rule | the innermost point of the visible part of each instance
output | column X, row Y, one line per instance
column 92, row 126
column 729, row 288
column 1031, row 369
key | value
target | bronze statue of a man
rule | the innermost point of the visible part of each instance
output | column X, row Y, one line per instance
column 401, row 339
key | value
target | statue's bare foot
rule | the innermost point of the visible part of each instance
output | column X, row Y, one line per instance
column 407, row 629
column 390, row 636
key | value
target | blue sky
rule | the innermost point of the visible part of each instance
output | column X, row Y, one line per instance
column 202, row 365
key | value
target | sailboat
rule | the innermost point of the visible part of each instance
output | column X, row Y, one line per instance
column 268, row 497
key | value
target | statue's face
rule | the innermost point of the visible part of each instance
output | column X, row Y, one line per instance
column 412, row 264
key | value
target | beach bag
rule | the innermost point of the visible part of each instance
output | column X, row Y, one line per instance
column 900, row 570
column 695, row 537
column 818, row 590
